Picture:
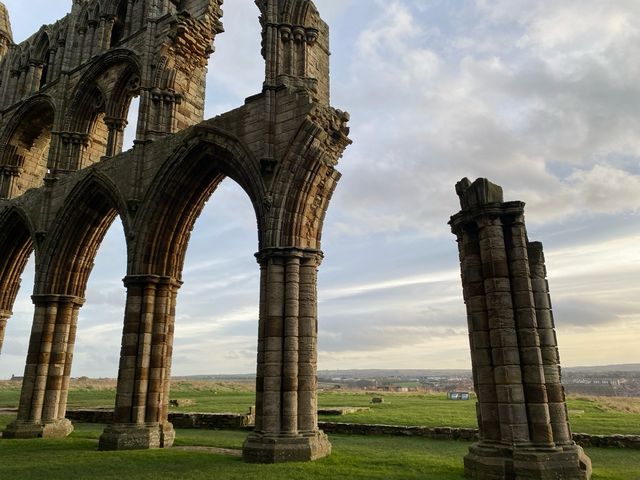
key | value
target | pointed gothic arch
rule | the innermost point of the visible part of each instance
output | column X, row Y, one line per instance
column 24, row 146
column 16, row 244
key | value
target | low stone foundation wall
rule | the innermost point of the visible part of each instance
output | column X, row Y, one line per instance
column 607, row 441
column 246, row 421
column 178, row 419
column 439, row 433
column 468, row 434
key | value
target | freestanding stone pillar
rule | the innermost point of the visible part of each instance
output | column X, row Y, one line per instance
column 142, row 397
column 522, row 416
column 286, row 404
column 43, row 399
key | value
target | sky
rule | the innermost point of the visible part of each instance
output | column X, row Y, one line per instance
column 541, row 97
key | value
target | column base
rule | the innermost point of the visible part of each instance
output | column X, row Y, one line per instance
column 56, row 429
column 266, row 448
column 137, row 436
column 495, row 462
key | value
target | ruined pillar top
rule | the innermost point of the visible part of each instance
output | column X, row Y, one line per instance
column 482, row 198
column 479, row 193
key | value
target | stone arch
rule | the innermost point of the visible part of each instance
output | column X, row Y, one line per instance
column 69, row 250
column 16, row 244
column 41, row 54
column 96, row 118
column 163, row 227
column 63, row 267
column 24, row 146
column 190, row 176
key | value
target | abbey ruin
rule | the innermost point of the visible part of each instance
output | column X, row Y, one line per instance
column 65, row 94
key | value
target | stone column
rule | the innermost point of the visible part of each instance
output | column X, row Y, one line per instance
column 109, row 22
column 43, row 399
column 4, row 316
column 548, row 346
column 140, row 416
column 513, row 347
column 286, row 405
column 116, row 128
column 479, row 334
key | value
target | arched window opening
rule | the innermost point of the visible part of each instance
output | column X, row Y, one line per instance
column 97, row 346
column 235, row 76
column 17, row 332
column 118, row 32
column 24, row 159
column 217, row 308
column 42, row 58
column 129, row 134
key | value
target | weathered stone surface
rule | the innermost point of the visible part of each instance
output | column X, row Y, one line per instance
column 523, row 425
column 64, row 96
column 261, row 448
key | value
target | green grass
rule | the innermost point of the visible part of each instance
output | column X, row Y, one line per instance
column 353, row 457
column 587, row 415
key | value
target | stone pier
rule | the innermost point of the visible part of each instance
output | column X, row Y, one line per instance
column 522, row 415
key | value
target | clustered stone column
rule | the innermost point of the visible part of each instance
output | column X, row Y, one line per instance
column 524, row 429
column 43, row 400
column 142, row 398
column 286, row 403
column 115, row 139
column 4, row 316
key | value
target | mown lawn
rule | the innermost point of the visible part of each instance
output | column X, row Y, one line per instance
column 353, row 457
column 588, row 415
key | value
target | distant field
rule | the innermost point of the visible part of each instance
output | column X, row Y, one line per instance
column 354, row 457
column 595, row 415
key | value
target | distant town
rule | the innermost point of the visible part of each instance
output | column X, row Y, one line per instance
column 607, row 380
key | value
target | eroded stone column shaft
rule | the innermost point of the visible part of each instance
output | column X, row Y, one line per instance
column 308, row 345
column 286, row 404
column 503, row 333
column 43, row 398
column 60, row 359
column 140, row 416
column 548, row 345
column 479, row 335
column 533, row 381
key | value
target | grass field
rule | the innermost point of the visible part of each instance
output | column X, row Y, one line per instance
column 353, row 457
column 594, row 415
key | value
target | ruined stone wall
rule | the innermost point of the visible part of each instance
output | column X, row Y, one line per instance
column 65, row 91
column 67, row 180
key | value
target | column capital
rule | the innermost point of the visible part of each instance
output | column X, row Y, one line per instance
column 149, row 279
column 114, row 123
column 475, row 216
column 287, row 252
column 45, row 298
column 5, row 314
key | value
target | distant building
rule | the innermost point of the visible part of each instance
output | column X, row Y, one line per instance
column 458, row 395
